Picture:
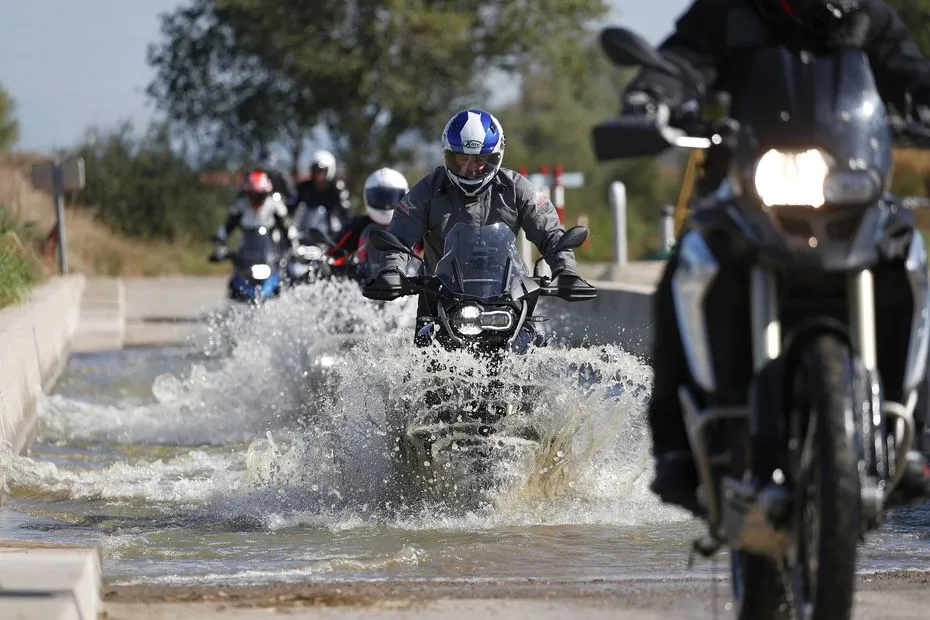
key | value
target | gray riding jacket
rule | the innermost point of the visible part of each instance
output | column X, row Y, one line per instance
column 434, row 205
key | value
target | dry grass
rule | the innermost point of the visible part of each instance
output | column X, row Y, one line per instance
column 914, row 160
column 912, row 178
column 93, row 247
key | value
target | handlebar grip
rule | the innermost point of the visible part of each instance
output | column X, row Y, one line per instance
column 628, row 137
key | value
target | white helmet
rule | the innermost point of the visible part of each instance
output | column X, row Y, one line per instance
column 383, row 190
column 324, row 160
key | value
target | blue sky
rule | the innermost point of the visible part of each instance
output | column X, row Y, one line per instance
column 70, row 64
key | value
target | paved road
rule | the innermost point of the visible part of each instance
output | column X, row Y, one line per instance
column 121, row 312
column 892, row 596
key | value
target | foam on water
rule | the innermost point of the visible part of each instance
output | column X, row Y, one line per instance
column 269, row 435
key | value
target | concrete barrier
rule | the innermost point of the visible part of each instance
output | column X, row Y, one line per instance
column 54, row 582
column 621, row 314
column 34, row 347
column 35, row 339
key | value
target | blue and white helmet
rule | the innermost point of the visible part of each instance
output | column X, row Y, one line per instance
column 477, row 134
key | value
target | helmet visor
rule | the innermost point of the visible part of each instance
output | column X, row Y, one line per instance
column 383, row 198
column 471, row 166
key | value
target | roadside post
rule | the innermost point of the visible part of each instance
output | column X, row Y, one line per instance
column 59, row 177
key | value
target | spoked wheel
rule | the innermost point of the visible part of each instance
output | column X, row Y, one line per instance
column 827, row 499
column 817, row 580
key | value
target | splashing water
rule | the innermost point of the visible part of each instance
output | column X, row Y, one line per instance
column 276, row 426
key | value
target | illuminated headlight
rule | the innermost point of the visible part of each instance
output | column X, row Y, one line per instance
column 804, row 179
column 792, row 178
column 310, row 252
column 261, row 272
column 471, row 320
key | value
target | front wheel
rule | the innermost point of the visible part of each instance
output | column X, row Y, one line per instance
column 818, row 582
column 825, row 458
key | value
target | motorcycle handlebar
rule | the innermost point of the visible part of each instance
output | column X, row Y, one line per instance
column 905, row 132
column 639, row 136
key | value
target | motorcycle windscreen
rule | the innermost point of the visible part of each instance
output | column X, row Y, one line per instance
column 368, row 256
column 314, row 217
column 480, row 262
column 799, row 101
column 256, row 248
column 370, row 259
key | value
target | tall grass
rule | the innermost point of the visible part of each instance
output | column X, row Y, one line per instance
column 19, row 268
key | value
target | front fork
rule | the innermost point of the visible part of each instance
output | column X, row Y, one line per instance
column 766, row 326
column 862, row 330
column 767, row 345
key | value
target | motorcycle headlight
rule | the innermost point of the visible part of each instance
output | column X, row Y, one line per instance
column 310, row 252
column 843, row 187
column 261, row 272
column 804, row 179
column 471, row 320
column 791, row 178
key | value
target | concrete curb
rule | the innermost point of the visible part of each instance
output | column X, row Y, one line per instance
column 53, row 583
column 103, row 317
column 35, row 341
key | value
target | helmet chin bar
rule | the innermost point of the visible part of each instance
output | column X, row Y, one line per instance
column 472, row 187
column 382, row 217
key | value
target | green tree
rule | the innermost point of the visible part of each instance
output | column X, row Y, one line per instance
column 143, row 187
column 916, row 17
column 551, row 123
column 221, row 93
column 9, row 126
column 379, row 74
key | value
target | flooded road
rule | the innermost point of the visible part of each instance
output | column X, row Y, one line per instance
column 259, row 456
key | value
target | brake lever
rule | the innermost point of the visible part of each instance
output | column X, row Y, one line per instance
column 544, row 283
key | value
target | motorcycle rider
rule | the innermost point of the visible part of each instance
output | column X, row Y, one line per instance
column 470, row 187
column 280, row 180
column 323, row 189
column 383, row 190
column 713, row 44
column 257, row 205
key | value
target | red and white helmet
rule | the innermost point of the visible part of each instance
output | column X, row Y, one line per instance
column 257, row 186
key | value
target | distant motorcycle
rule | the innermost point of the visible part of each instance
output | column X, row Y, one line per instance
column 360, row 266
column 308, row 261
column 258, row 266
